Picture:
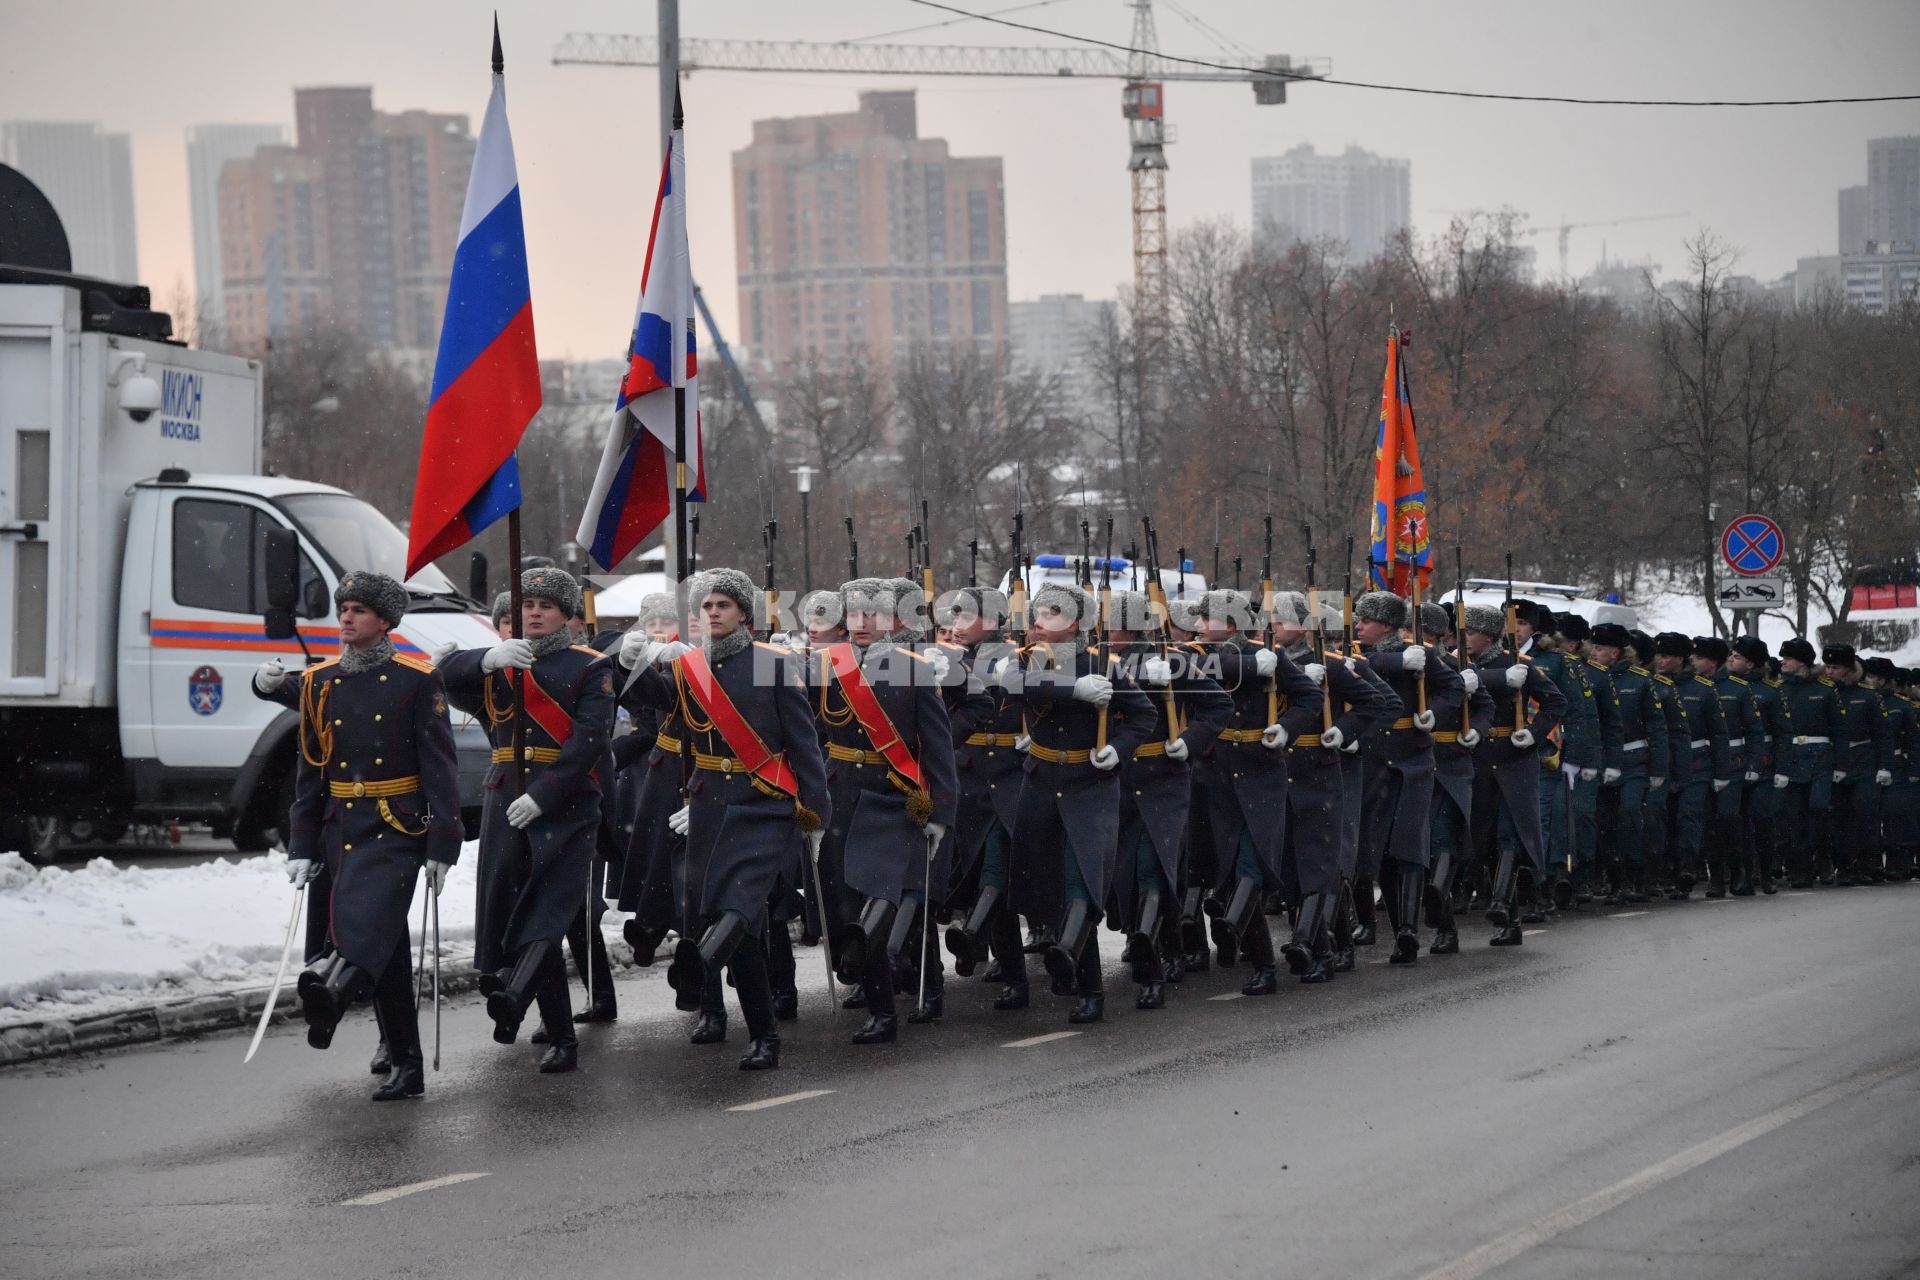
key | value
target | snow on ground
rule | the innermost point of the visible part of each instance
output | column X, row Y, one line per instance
column 100, row 937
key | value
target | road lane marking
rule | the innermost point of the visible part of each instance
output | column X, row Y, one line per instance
column 1031, row 1041
column 1498, row 1252
column 782, row 1100
column 1528, row 933
column 1230, row 995
column 1624, row 915
column 394, row 1193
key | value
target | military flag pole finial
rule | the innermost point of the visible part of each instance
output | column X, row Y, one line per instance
column 499, row 59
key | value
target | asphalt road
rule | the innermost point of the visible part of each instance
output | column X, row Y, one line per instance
column 1714, row 1089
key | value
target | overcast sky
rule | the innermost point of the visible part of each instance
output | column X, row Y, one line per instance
column 588, row 138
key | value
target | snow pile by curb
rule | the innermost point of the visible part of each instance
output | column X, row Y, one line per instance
column 101, row 938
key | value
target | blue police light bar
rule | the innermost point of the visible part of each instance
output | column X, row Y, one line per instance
column 1099, row 562
column 1186, row 566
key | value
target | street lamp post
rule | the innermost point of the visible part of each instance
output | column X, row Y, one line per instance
column 803, row 477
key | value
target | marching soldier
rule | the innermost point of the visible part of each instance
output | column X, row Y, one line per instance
column 1397, row 822
column 1316, row 806
column 1812, row 705
column 542, row 818
column 1866, row 766
column 1506, row 802
column 1356, row 921
column 1453, row 746
column 1068, row 824
column 1246, row 771
column 1573, row 782
column 1190, row 710
column 1662, row 790
column 758, row 794
column 1727, row 865
column 1643, row 759
column 376, row 800
column 1766, row 763
column 889, row 740
column 1589, row 783
column 1710, row 768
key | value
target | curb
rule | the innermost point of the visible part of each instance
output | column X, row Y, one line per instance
column 200, row 1014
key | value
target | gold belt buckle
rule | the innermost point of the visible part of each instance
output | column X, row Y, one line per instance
column 726, row 766
column 359, row 789
column 526, row 753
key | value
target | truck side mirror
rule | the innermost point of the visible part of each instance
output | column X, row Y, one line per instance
column 282, row 556
column 477, row 577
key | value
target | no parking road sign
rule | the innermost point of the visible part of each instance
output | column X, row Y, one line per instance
column 1752, row 545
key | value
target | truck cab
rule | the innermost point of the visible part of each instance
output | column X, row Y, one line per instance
column 133, row 581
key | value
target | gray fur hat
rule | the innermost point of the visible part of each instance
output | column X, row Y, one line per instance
column 821, row 609
column 1076, row 603
column 1383, row 607
column 987, row 603
column 1228, row 605
column 1435, row 620
column 875, row 594
column 1185, row 614
column 384, row 595
column 1132, row 611
column 502, row 606
column 659, row 606
column 909, row 603
column 1290, row 609
column 1485, row 620
column 731, row 583
column 554, row 585
column 1331, row 619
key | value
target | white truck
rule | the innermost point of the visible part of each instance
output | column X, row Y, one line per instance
column 135, row 536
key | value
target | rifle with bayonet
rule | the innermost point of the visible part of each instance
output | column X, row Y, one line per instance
column 1317, row 623
column 1460, row 633
column 769, row 535
column 1163, row 617
column 1510, row 638
column 1103, row 627
column 853, row 552
column 1267, row 612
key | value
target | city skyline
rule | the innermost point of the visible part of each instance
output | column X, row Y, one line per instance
column 1765, row 180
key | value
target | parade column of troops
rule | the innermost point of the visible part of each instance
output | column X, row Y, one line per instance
column 900, row 779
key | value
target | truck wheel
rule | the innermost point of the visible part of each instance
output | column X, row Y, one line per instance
column 46, row 840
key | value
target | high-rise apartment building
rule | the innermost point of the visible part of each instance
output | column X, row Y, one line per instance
column 853, row 234
column 1893, row 192
column 1853, row 219
column 88, row 175
column 1356, row 196
column 1058, row 335
column 209, row 147
column 355, row 224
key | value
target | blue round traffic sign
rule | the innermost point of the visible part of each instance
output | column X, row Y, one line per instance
column 1752, row 545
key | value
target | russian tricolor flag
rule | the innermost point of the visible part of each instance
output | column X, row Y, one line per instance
column 633, row 490
column 486, row 377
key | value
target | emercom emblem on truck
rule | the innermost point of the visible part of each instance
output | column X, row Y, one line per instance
column 179, row 404
column 205, row 690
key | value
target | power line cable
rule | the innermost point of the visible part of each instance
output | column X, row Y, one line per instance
column 1280, row 74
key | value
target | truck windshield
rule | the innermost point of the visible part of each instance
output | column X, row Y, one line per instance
column 354, row 535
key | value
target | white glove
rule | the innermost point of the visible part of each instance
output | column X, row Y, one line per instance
column 1177, row 749
column 301, row 870
column 1273, row 737
column 677, row 820
column 1609, row 777
column 1516, row 676
column 935, row 834
column 634, row 647
column 1413, row 659
column 522, row 812
column 1471, row 679
column 1316, row 673
column 1006, row 674
column 1721, row 784
column 1588, row 775
column 270, row 676
column 1839, row 775
column 1522, row 738
column 1106, row 759
column 1264, row 663
column 1753, row 776
column 1332, row 739
column 941, row 664
column 442, row 651
column 1021, row 743
column 1095, row 689
column 1883, row 778
column 1423, row 720
column 1654, row 784
column 1780, row 781
column 1156, row 671
column 436, row 876
column 1352, row 748
column 669, row 650
column 813, row 844
column 1470, row 738
column 508, row 653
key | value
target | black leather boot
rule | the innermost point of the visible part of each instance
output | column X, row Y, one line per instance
column 786, row 1006
column 644, row 941
column 406, row 1074
column 763, row 1054
column 556, row 1017
column 1298, row 949
column 1410, row 883
column 1259, row 939
column 1143, row 944
column 867, row 934
column 382, row 1057
column 1363, row 908
column 711, row 1029
column 1093, row 996
column 1345, row 928
column 881, row 1028
column 1063, row 957
column 1232, row 919
column 967, row 942
column 508, row 1006
column 686, row 975
column 327, row 989
column 902, row 949
column 1016, row 995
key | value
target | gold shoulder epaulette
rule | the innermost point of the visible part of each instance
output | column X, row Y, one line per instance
column 408, row 660
column 1665, row 680
column 1703, row 680
column 1737, row 680
column 589, row 651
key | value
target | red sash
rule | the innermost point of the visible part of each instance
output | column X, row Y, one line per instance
column 696, row 677
column 545, row 712
column 866, row 709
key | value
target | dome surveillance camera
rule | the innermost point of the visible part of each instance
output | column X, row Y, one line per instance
column 140, row 397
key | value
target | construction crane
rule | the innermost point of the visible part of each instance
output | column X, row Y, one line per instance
column 1566, row 228
column 1142, row 97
